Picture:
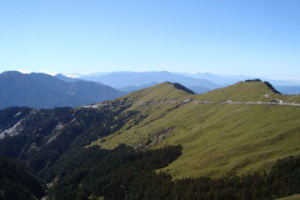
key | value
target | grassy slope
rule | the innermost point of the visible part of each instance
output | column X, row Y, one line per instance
column 160, row 92
column 244, row 91
column 216, row 139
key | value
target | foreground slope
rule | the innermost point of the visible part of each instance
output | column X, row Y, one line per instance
column 169, row 129
column 17, row 182
column 217, row 135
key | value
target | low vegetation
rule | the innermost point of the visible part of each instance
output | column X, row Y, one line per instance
column 158, row 143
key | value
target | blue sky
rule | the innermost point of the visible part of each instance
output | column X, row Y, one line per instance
column 248, row 37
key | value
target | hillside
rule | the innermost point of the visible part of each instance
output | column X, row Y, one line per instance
column 248, row 91
column 16, row 177
column 161, row 92
column 44, row 91
column 167, row 129
column 217, row 138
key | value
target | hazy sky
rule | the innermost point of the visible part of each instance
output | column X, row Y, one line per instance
column 249, row 37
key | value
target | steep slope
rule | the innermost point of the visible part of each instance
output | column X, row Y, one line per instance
column 217, row 137
column 40, row 137
column 17, row 182
column 45, row 91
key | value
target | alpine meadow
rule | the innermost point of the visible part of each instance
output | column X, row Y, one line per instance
column 150, row 100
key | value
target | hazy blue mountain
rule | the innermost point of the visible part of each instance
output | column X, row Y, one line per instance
column 72, row 80
column 226, row 80
column 44, row 91
column 199, row 89
column 132, row 80
column 220, row 79
column 288, row 89
column 284, row 82
column 284, row 86
column 135, row 88
column 129, row 79
column 67, row 79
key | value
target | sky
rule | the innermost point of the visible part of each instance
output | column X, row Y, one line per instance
column 245, row 37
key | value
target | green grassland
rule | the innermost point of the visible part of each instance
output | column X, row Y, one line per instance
column 246, row 91
column 216, row 138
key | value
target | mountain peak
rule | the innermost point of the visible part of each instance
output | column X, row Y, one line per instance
column 11, row 73
column 266, row 83
column 160, row 92
column 249, row 90
column 60, row 75
column 181, row 87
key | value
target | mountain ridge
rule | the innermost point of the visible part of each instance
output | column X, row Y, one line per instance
column 45, row 91
column 126, row 79
column 203, row 128
column 216, row 136
column 130, row 81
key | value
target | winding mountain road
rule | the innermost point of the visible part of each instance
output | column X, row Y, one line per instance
column 188, row 101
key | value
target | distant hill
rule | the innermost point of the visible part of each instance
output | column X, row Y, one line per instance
column 44, row 91
column 129, row 79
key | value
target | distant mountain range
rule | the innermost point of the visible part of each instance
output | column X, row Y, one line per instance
column 200, row 82
column 129, row 79
column 44, row 91
column 220, row 79
column 288, row 89
column 40, row 90
column 135, row 88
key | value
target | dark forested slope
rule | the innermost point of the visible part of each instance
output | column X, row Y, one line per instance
column 17, row 182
